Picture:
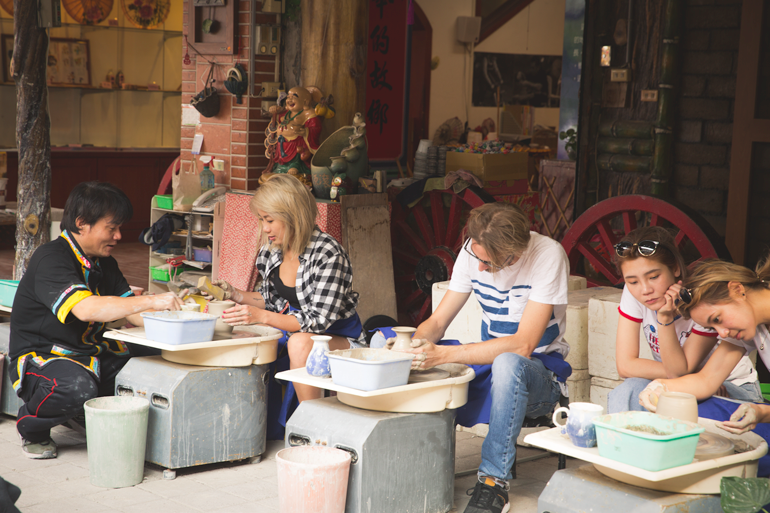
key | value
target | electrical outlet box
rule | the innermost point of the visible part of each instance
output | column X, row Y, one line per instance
column 49, row 13
column 266, row 104
column 270, row 89
column 650, row 95
column 620, row 75
column 468, row 29
column 268, row 39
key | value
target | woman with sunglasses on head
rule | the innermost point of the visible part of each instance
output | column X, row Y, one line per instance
column 735, row 301
column 520, row 280
column 651, row 267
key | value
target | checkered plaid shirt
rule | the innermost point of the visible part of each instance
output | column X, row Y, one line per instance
column 325, row 294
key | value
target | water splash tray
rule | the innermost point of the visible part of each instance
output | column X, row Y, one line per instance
column 246, row 345
column 699, row 477
column 417, row 396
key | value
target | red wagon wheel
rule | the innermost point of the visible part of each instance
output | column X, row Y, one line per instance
column 589, row 242
column 426, row 239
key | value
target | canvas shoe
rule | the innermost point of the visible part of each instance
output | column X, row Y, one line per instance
column 39, row 451
column 487, row 497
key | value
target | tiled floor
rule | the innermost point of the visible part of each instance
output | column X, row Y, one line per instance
column 62, row 485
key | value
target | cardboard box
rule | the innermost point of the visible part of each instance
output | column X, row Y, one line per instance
column 490, row 166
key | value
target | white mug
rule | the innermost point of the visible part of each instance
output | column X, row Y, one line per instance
column 580, row 422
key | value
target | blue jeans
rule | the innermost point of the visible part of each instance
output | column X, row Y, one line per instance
column 520, row 387
column 625, row 397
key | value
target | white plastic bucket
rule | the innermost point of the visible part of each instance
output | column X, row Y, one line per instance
column 312, row 479
column 116, row 438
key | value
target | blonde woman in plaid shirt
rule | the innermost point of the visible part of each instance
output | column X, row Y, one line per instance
column 306, row 286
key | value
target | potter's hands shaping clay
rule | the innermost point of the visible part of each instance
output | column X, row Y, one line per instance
column 415, row 343
column 166, row 301
column 240, row 315
column 231, row 292
column 649, row 396
column 426, row 353
column 743, row 419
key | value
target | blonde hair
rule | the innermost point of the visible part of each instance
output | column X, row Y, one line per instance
column 285, row 198
column 501, row 229
column 709, row 280
column 666, row 254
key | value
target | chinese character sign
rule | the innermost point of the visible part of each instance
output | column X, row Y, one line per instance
column 386, row 78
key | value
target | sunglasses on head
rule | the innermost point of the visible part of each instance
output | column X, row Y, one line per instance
column 645, row 247
column 685, row 295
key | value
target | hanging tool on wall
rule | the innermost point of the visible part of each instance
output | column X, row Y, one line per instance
column 237, row 82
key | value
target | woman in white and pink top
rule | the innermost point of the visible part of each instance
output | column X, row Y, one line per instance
column 652, row 267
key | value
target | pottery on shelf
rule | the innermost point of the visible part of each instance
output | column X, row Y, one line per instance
column 403, row 338
column 348, row 144
column 317, row 361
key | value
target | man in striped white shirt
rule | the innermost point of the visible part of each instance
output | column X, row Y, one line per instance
column 520, row 280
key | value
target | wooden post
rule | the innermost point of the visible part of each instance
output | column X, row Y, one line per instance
column 334, row 36
column 33, row 139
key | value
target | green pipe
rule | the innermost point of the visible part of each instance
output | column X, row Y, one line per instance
column 623, row 128
column 623, row 163
column 625, row 146
column 669, row 70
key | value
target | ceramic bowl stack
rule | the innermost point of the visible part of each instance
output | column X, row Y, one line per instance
column 433, row 160
column 421, row 159
column 442, row 160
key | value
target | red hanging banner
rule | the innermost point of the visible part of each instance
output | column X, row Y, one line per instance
column 386, row 78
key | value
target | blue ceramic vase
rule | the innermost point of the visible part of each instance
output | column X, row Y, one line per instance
column 317, row 362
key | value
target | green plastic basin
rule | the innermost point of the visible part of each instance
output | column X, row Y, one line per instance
column 663, row 443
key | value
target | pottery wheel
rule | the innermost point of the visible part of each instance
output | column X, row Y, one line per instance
column 421, row 376
column 712, row 445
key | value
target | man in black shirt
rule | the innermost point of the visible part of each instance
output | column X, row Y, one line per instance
column 72, row 288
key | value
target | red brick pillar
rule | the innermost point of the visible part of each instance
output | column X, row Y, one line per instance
column 235, row 135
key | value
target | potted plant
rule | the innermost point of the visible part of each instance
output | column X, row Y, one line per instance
column 571, row 145
column 745, row 495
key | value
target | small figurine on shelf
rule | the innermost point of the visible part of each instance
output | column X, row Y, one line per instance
column 340, row 186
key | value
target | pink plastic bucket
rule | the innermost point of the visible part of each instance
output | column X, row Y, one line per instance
column 312, row 479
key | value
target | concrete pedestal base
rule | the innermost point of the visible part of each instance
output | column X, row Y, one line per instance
column 585, row 489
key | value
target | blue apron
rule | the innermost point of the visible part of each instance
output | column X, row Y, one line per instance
column 281, row 405
column 476, row 410
column 720, row 409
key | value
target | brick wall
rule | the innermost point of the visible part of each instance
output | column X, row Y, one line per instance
column 236, row 135
column 706, row 105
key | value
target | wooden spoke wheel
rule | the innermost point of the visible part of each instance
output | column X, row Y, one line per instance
column 426, row 239
column 589, row 242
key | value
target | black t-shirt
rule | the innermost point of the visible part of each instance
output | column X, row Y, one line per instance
column 43, row 329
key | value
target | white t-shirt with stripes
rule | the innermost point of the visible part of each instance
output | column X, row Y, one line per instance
column 540, row 274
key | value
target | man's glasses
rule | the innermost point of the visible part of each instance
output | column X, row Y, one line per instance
column 467, row 247
column 646, row 247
